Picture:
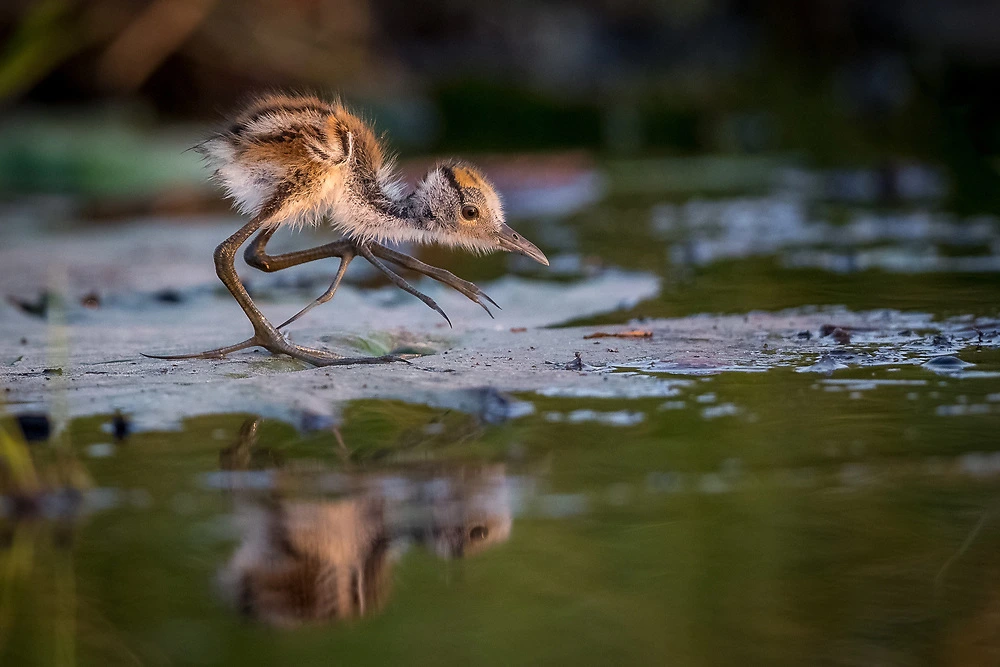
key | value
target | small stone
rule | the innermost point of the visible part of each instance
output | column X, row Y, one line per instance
column 576, row 364
column 946, row 364
column 120, row 426
column 36, row 427
column 841, row 336
column 171, row 296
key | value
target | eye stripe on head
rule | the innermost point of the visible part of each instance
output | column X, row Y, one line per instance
column 449, row 174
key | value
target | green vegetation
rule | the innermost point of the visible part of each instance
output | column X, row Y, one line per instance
column 748, row 538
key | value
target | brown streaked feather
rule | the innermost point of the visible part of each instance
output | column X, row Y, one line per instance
column 321, row 158
column 314, row 162
column 277, row 104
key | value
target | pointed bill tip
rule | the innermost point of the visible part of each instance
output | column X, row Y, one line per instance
column 513, row 242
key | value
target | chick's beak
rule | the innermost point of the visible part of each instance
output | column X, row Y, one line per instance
column 511, row 241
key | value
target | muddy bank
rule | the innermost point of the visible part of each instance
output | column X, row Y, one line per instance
column 151, row 288
column 104, row 370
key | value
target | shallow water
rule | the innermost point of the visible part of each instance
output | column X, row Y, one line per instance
column 762, row 495
column 766, row 518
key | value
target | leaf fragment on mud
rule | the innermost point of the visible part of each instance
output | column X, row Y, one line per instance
column 631, row 333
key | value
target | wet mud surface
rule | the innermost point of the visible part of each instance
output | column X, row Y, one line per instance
column 162, row 299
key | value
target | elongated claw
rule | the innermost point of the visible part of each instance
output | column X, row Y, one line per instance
column 401, row 283
column 470, row 290
column 484, row 295
column 487, row 297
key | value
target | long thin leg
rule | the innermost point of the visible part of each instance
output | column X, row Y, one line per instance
column 257, row 257
column 400, row 282
column 265, row 334
column 345, row 259
column 225, row 268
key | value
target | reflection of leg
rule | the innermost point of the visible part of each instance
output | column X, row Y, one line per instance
column 399, row 282
column 239, row 455
column 447, row 277
column 342, row 451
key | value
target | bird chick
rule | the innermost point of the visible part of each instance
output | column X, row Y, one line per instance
column 290, row 161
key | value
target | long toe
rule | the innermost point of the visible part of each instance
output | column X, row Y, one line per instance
column 479, row 299
column 320, row 358
column 217, row 353
column 469, row 289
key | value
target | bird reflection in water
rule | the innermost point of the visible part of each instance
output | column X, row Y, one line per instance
column 321, row 559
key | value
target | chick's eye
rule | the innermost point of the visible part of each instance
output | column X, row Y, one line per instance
column 470, row 212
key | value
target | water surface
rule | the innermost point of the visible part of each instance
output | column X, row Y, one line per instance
column 771, row 518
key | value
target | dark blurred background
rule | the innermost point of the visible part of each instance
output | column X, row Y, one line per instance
column 837, row 82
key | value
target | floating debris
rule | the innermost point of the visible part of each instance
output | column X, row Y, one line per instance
column 826, row 364
column 91, row 300
column 577, row 365
column 840, row 334
column 633, row 333
column 946, row 364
